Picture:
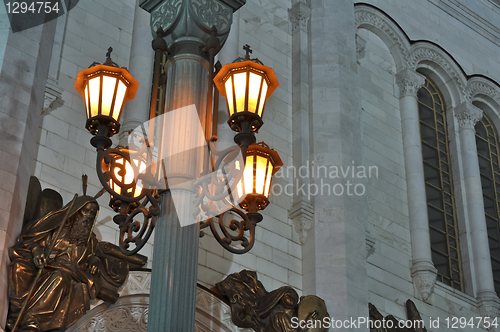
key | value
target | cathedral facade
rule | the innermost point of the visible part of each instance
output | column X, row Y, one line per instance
column 386, row 118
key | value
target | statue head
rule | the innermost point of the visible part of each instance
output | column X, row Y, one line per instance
column 82, row 219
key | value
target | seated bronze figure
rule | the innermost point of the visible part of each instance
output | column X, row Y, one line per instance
column 75, row 271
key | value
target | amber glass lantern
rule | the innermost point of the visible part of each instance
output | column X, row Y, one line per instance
column 105, row 88
column 246, row 86
column 254, row 187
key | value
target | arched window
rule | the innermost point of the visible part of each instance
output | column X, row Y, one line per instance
column 488, row 155
column 438, row 186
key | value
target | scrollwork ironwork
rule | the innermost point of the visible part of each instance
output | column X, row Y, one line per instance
column 130, row 196
column 227, row 238
column 136, row 232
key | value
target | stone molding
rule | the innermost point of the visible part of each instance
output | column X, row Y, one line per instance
column 302, row 215
column 477, row 86
column 468, row 115
column 423, row 52
column 360, row 47
column 424, row 276
column 52, row 97
column 299, row 15
column 409, row 82
column 369, row 18
column 370, row 243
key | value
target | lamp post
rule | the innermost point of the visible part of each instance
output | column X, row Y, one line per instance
column 125, row 173
column 192, row 39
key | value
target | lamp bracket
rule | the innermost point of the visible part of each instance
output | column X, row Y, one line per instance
column 234, row 231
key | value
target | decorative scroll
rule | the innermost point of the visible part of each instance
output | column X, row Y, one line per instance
column 208, row 13
column 135, row 231
column 225, row 234
column 165, row 14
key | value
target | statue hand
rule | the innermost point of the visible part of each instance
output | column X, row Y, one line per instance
column 94, row 265
column 39, row 257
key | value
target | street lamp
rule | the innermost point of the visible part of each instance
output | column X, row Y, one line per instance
column 105, row 88
column 246, row 84
column 129, row 177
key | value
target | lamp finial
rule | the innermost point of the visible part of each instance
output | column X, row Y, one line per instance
column 248, row 50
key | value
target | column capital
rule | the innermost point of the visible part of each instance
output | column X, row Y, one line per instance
column 299, row 15
column 409, row 82
column 187, row 23
column 468, row 115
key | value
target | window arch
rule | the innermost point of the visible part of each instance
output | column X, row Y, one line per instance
column 439, row 187
column 488, row 156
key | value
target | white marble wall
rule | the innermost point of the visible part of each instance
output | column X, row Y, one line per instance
column 389, row 262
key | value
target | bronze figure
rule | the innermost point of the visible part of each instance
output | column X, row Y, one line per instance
column 75, row 271
column 376, row 319
column 254, row 307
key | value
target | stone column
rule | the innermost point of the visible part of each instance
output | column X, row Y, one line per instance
column 136, row 111
column 302, row 210
column 334, row 254
column 423, row 271
column 488, row 303
column 187, row 24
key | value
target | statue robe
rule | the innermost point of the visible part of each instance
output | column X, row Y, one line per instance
column 63, row 292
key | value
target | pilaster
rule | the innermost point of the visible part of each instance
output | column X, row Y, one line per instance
column 423, row 271
column 488, row 303
column 302, row 211
column 334, row 254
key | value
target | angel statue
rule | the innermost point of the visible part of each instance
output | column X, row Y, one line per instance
column 58, row 266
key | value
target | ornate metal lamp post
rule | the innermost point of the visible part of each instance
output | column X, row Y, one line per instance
column 247, row 84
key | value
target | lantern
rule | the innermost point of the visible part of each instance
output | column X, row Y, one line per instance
column 128, row 183
column 254, row 187
column 105, row 88
column 246, row 86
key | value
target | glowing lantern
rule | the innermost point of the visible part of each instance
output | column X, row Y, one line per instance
column 105, row 88
column 246, row 86
column 127, row 182
column 254, row 187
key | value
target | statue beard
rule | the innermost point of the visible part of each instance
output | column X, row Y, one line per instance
column 80, row 231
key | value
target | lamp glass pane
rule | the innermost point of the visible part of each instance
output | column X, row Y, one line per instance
column 108, row 92
column 120, row 95
column 229, row 96
column 260, row 174
column 239, row 186
column 248, row 176
column 87, row 100
column 263, row 96
column 253, row 92
column 268, row 180
column 94, row 88
column 240, row 83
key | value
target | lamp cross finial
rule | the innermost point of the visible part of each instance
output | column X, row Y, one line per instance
column 248, row 50
column 108, row 55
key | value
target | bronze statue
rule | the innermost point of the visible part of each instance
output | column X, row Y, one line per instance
column 76, row 269
column 253, row 307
